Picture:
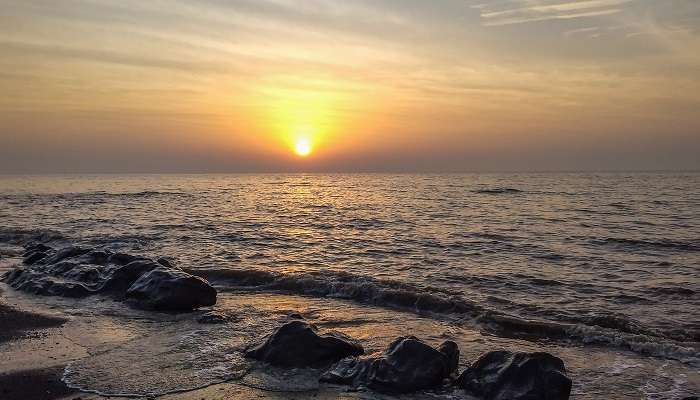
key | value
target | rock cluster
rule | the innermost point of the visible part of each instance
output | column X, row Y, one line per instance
column 410, row 365
column 78, row 272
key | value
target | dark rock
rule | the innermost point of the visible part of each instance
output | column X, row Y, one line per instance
column 298, row 344
column 451, row 351
column 121, row 278
column 78, row 272
column 406, row 366
column 83, row 273
column 39, row 247
column 45, row 285
column 67, row 289
column 351, row 371
column 64, row 253
column 164, row 262
column 98, row 257
column 32, row 258
column 171, row 290
column 503, row 375
column 123, row 258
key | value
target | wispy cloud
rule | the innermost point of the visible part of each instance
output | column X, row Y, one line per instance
column 523, row 11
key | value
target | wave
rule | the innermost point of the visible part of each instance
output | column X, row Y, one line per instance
column 601, row 329
column 89, row 196
column 499, row 190
column 688, row 246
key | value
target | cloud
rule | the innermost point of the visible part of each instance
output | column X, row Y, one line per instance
column 524, row 11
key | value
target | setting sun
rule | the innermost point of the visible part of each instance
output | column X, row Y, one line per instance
column 302, row 147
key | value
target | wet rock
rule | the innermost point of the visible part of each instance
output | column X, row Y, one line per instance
column 41, row 281
column 34, row 257
column 406, row 366
column 503, row 375
column 77, row 272
column 298, row 344
column 171, row 290
column 165, row 262
column 98, row 257
column 33, row 248
column 450, row 350
column 65, row 253
column 122, row 258
column 121, row 278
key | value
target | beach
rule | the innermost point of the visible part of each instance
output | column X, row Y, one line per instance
column 482, row 262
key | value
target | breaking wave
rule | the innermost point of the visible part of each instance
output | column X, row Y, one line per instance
column 600, row 329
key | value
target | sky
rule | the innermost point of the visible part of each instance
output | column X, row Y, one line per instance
column 98, row 86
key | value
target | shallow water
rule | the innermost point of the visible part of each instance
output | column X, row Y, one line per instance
column 600, row 269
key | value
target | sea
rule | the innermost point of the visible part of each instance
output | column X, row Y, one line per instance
column 600, row 269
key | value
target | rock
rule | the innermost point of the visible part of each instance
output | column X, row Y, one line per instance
column 98, row 257
column 121, row 278
column 351, row 371
column 164, row 262
column 451, row 351
column 42, row 280
column 298, row 344
column 78, row 272
column 34, row 257
column 123, row 258
column 406, row 366
column 65, row 253
column 171, row 290
column 503, row 375
column 33, row 248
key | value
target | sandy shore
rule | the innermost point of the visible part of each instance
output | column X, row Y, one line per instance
column 35, row 348
column 43, row 382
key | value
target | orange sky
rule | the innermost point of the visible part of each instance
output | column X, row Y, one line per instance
column 396, row 85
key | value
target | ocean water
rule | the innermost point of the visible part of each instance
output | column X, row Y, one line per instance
column 600, row 269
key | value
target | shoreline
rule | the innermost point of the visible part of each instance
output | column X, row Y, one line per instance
column 42, row 383
column 42, row 379
column 42, row 351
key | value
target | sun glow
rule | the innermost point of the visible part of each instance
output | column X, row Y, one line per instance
column 301, row 112
column 302, row 147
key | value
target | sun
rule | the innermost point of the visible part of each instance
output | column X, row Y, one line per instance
column 302, row 147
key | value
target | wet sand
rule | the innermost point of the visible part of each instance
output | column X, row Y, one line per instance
column 17, row 323
column 35, row 384
column 41, row 383
column 35, row 352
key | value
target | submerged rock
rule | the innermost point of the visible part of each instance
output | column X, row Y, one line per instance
column 78, row 272
column 503, row 375
column 406, row 366
column 168, row 289
column 298, row 344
